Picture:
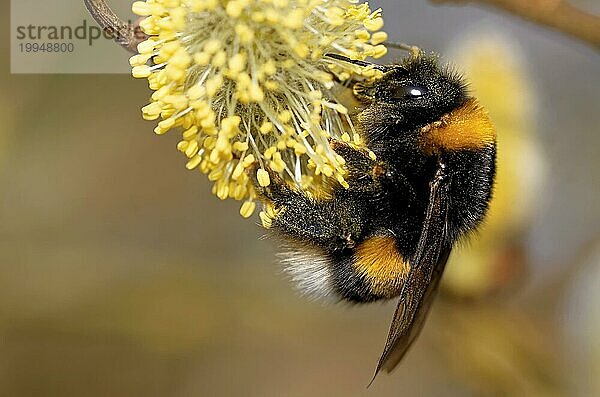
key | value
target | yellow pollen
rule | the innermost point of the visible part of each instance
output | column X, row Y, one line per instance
column 263, row 177
column 247, row 209
column 239, row 104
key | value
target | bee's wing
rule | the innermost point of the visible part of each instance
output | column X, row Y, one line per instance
column 421, row 284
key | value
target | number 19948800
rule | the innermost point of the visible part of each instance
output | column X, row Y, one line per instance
column 47, row 47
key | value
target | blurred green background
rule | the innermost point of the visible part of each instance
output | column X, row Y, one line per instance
column 122, row 275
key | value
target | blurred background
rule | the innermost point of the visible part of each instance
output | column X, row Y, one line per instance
column 122, row 275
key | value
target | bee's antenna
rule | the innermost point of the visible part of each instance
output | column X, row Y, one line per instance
column 127, row 35
column 413, row 49
column 339, row 57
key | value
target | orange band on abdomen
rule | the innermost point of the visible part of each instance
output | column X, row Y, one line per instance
column 383, row 267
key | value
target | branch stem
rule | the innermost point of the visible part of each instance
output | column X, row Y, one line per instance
column 127, row 35
column 557, row 14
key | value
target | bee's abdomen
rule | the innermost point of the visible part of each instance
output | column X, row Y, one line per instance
column 471, row 188
column 374, row 270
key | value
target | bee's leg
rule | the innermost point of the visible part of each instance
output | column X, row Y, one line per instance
column 276, row 192
column 369, row 175
column 358, row 161
column 366, row 174
column 332, row 224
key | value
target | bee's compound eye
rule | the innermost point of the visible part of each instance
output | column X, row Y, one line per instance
column 415, row 91
column 410, row 92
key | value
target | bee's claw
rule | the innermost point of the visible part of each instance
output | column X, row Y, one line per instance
column 275, row 191
column 358, row 161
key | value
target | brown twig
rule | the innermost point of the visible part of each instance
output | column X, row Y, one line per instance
column 557, row 14
column 128, row 35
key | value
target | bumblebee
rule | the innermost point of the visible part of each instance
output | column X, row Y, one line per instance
column 389, row 234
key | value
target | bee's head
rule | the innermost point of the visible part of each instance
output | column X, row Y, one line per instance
column 419, row 101
column 414, row 93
